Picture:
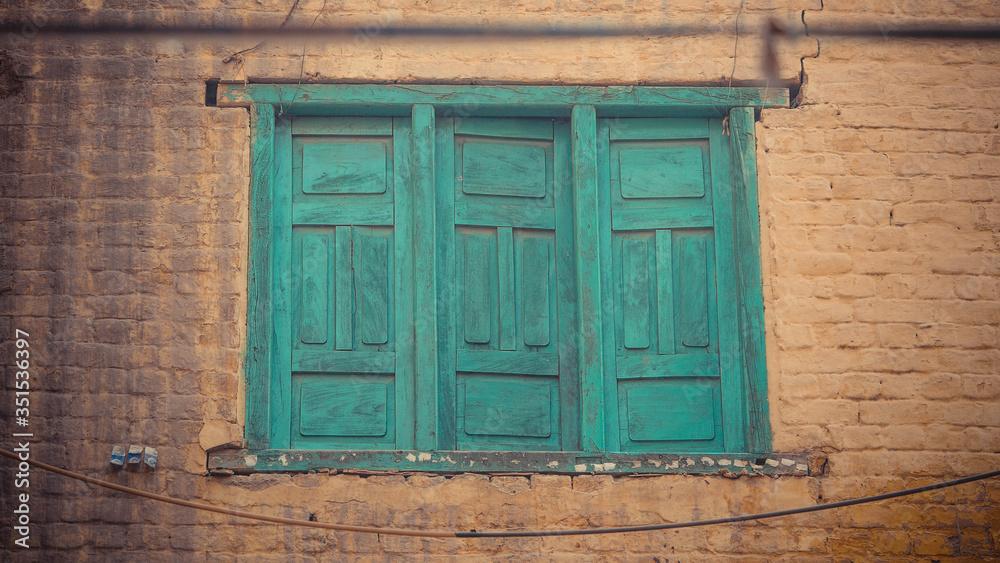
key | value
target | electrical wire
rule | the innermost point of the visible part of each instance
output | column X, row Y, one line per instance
column 940, row 30
column 229, row 511
column 498, row 533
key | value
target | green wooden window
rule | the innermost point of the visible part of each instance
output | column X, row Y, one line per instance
column 550, row 275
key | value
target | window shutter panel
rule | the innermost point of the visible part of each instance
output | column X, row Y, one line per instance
column 508, row 377
column 347, row 380
column 663, row 270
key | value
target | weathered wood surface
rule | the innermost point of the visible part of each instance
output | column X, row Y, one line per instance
column 665, row 292
column 506, row 281
column 260, row 314
column 519, row 363
column 425, row 300
column 732, row 387
column 281, row 289
column 588, row 277
column 591, row 269
column 344, row 294
column 749, row 280
column 621, row 101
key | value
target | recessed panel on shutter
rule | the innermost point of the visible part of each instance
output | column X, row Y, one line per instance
column 345, row 406
column 670, row 410
column 508, row 407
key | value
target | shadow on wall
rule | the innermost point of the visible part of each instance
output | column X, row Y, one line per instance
column 11, row 83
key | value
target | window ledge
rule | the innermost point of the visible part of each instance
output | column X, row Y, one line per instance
column 397, row 461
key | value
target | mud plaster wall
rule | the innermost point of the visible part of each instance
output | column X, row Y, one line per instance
column 124, row 213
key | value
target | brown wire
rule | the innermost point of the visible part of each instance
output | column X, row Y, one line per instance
column 228, row 511
column 933, row 30
column 505, row 533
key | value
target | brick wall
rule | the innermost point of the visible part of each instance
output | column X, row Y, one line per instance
column 124, row 213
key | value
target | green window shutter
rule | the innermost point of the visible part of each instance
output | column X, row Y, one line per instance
column 507, row 285
column 349, row 379
column 668, row 252
column 509, row 218
column 562, row 284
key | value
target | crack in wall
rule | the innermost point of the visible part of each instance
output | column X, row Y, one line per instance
column 803, row 77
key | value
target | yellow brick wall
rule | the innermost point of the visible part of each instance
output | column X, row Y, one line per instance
column 123, row 241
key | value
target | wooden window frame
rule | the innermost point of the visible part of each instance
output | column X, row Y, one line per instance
column 583, row 105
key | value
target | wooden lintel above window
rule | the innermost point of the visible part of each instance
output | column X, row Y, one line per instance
column 500, row 100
